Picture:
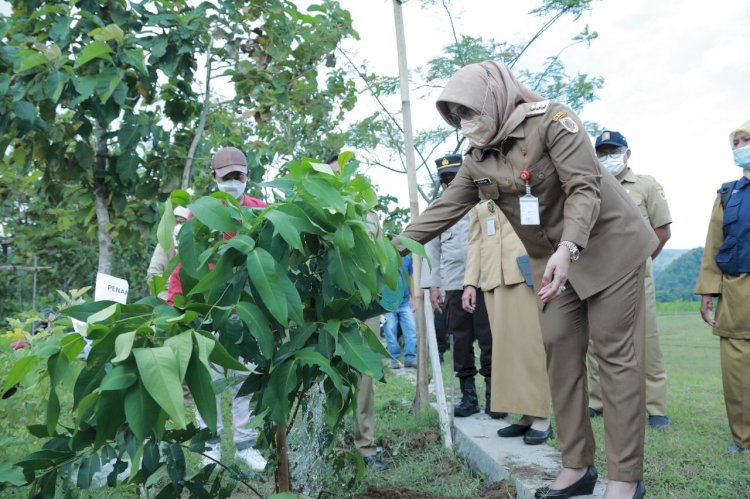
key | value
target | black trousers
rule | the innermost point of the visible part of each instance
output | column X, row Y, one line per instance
column 441, row 332
column 466, row 328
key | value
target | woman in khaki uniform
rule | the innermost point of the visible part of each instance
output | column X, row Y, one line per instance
column 519, row 377
column 725, row 274
column 587, row 243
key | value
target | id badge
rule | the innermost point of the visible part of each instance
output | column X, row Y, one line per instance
column 529, row 210
column 490, row 226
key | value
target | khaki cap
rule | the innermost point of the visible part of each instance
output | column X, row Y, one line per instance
column 227, row 160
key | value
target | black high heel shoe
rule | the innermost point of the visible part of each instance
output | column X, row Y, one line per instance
column 640, row 490
column 514, row 430
column 582, row 487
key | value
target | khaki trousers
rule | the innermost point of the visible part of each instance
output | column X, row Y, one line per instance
column 364, row 425
column 614, row 318
column 735, row 375
column 656, row 375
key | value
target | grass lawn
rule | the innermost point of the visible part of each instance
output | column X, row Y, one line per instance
column 689, row 460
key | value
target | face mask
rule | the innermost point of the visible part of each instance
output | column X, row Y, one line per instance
column 234, row 188
column 614, row 163
column 479, row 131
column 742, row 157
column 175, row 233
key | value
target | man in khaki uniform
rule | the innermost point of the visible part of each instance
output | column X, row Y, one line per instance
column 364, row 425
column 588, row 244
column 613, row 153
column 496, row 262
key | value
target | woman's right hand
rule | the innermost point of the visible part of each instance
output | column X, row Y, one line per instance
column 707, row 310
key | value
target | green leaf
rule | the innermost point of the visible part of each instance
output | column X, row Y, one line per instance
column 118, row 378
column 325, row 193
column 106, row 83
column 103, row 314
column 71, row 345
column 354, row 352
column 199, row 381
column 19, row 370
column 282, row 382
column 284, row 224
column 165, row 231
column 107, row 33
column 293, row 299
column 242, row 243
column 55, row 84
column 89, row 467
column 136, row 58
column 123, row 346
column 182, row 346
column 258, row 326
column 31, row 61
column 180, row 198
column 141, row 410
column 25, row 110
column 110, row 416
column 338, row 267
column 94, row 50
column 309, row 356
column 261, row 267
column 53, row 411
column 205, row 347
column 215, row 215
column 11, row 474
column 219, row 276
column 414, row 247
column 160, row 375
column 220, row 356
column 344, row 238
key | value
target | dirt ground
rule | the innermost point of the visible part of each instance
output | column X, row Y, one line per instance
column 499, row 490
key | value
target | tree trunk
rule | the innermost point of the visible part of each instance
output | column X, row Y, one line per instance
column 283, row 479
column 102, row 213
column 201, row 124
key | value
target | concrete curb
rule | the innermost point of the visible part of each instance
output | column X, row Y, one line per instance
column 527, row 466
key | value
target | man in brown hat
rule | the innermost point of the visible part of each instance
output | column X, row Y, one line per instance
column 229, row 171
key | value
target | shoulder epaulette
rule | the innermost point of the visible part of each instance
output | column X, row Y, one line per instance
column 536, row 108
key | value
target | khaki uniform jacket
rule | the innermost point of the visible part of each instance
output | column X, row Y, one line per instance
column 447, row 254
column 732, row 313
column 649, row 196
column 578, row 201
column 491, row 258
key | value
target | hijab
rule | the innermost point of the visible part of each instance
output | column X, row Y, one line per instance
column 745, row 127
column 490, row 87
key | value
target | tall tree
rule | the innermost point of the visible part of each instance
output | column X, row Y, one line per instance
column 381, row 135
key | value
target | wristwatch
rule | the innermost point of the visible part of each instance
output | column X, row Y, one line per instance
column 572, row 247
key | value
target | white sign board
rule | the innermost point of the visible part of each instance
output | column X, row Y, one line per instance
column 109, row 288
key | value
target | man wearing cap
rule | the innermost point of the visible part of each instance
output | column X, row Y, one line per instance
column 448, row 256
column 613, row 153
column 229, row 171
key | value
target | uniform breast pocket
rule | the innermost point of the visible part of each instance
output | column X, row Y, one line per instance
column 541, row 171
column 488, row 192
column 732, row 211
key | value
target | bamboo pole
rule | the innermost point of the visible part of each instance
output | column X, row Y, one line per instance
column 421, row 400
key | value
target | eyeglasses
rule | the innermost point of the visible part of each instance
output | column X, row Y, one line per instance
column 462, row 113
column 616, row 154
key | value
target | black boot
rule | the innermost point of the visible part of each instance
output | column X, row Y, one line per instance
column 469, row 402
column 487, row 410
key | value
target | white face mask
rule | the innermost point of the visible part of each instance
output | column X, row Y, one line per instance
column 479, row 131
column 615, row 163
column 175, row 233
column 742, row 157
column 235, row 188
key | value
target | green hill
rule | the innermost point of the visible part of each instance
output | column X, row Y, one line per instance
column 666, row 257
column 677, row 279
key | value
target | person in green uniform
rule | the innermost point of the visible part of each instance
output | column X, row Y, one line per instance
column 725, row 276
column 614, row 155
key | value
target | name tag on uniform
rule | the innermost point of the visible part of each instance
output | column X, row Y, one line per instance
column 490, row 226
column 482, row 181
column 529, row 210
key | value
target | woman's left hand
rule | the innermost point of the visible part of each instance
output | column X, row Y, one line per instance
column 555, row 275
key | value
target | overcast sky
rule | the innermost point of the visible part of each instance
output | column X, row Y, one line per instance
column 677, row 76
